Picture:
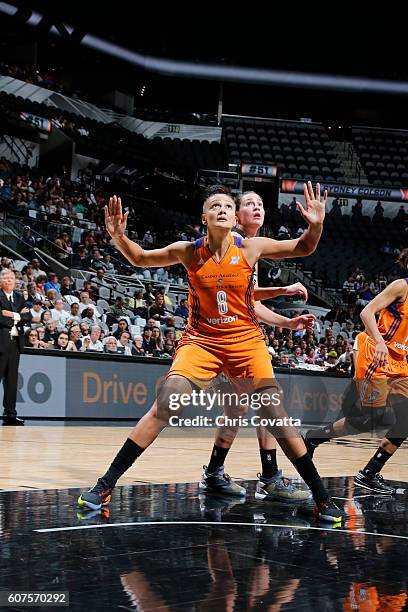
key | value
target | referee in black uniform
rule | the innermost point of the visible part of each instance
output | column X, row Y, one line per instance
column 13, row 316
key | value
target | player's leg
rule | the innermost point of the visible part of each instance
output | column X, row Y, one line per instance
column 363, row 403
column 348, row 425
column 370, row 476
column 214, row 478
column 192, row 363
column 254, row 370
column 275, row 418
column 272, row 484
column 138, row 440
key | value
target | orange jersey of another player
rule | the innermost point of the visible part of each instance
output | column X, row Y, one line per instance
column 221, row 294
column 365, row 597
column 393, row 326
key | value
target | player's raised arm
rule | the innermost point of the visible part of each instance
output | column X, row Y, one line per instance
column 313, row 213
column 116, row 221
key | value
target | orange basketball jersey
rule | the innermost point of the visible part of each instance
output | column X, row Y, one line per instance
column 393, row 326
column 221, row 294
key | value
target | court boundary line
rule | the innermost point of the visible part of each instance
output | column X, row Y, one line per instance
column 229, row 524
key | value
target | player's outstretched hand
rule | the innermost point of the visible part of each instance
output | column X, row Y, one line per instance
column 303, row 322
column 297, row 289
column 315, row 210
column 115, row 220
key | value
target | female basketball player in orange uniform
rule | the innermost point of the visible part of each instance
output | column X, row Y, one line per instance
column 272, row 485
column 222, row 334
column 382, row 379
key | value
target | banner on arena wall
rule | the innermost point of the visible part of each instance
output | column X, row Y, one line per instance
column 390, row 209
column 97, row 388
column 111, row 389
column 313, row 399
column 41, row 387
column 310, row 399
column 307, row 399
column 369, row 192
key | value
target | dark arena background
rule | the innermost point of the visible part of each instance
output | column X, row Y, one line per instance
column 100, row 99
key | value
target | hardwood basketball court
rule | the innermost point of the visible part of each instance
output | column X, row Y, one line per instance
column 58, row 456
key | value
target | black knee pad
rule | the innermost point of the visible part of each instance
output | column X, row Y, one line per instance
column 395, row 441
column 367, row 419
column 351, row 400
column 399, row 431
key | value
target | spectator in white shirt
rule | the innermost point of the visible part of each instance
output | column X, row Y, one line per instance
column 51, row 297
column 60, row 315
column 34, row 294
column 92, row 342
column 36, row 311
column 84, row 300
column 74, row 314
column 99, row 279
column 347, row 354
column 86, row 303
column 348, row 328
column 124, row 341
column 36, row 268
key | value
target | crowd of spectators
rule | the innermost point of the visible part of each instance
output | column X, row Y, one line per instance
column 71, row 215
column 67, row 318
column 149, row 323
column 290, row 225
column 357, row 291
column 319, row 349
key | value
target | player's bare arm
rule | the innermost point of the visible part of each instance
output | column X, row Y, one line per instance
column 267, row 293
column 395, row 292
column 270, row 317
